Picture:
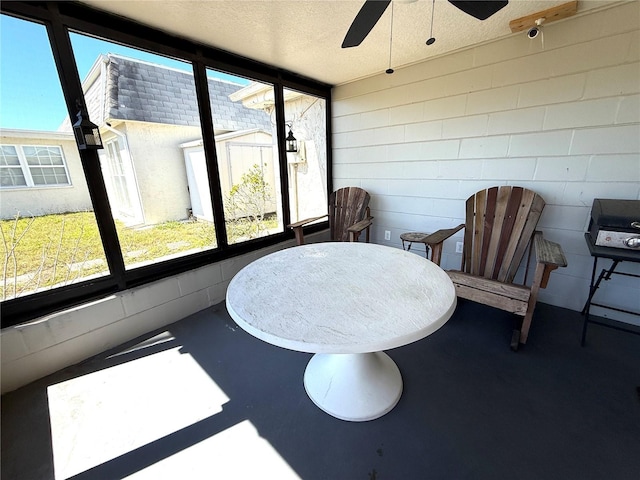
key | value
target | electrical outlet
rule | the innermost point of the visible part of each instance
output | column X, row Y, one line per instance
column 458, row 247
column 387, row 234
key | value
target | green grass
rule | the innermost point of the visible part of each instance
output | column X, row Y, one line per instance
column 40, row 252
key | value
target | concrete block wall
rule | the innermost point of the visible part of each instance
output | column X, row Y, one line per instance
column 34, row 349
column 561, row 118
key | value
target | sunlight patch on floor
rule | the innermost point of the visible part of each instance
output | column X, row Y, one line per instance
column 236, row 453
column 107, row 413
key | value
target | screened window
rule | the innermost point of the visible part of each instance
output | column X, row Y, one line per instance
column 305, row 118
column 155, row 187
column 50, row 238
column 248, row 157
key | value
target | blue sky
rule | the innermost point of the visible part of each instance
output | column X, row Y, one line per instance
column 30, row 93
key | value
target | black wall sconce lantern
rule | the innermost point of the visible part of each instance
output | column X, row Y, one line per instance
column 291, row 142
column 87, row 134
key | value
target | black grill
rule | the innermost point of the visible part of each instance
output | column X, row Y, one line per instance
column 615, row 224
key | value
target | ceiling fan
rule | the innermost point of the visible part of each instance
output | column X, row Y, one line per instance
column 372, row 10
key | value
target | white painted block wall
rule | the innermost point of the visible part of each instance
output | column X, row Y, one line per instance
column 563, row 120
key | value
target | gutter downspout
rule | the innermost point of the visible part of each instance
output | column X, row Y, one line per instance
column 103, row 87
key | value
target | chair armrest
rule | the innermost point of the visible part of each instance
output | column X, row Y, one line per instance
column 305, row 221
column 355, row 229
column 441, row 235
column 297, row 228
column 435, row 241
column 548, row 252
column 549, row 256
column 361, row 225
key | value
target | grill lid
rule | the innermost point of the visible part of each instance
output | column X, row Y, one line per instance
column 615, row 213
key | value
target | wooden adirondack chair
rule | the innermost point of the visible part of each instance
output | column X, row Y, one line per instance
column 500, row 226
column 349, row 215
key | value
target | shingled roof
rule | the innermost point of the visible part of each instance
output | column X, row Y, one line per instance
column 147, row 92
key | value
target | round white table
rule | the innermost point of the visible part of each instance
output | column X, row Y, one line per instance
column 344, row 302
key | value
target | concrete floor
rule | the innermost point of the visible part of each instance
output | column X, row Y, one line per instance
column 203, row 399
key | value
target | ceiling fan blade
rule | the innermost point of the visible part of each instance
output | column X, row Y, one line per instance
column 365, row 20
column 479, row 9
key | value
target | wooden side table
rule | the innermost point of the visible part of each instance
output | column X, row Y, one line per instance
column 414, row 237
column 432, row 241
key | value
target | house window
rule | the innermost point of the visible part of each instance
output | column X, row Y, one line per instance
column 46, row 165
column 32, row 166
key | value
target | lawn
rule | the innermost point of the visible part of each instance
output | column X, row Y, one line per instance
column 39, row 252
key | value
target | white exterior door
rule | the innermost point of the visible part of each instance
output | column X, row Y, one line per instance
column 197, row 178
column 122, row 188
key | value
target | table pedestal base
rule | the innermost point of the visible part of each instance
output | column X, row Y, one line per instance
column 356, row 387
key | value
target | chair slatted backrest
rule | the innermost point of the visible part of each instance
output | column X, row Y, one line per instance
column 500, row 222
column 346, row 206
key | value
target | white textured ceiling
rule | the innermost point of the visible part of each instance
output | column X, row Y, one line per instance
column 305, row 36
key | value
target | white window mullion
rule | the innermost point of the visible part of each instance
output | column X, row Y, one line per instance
column 25, row 166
